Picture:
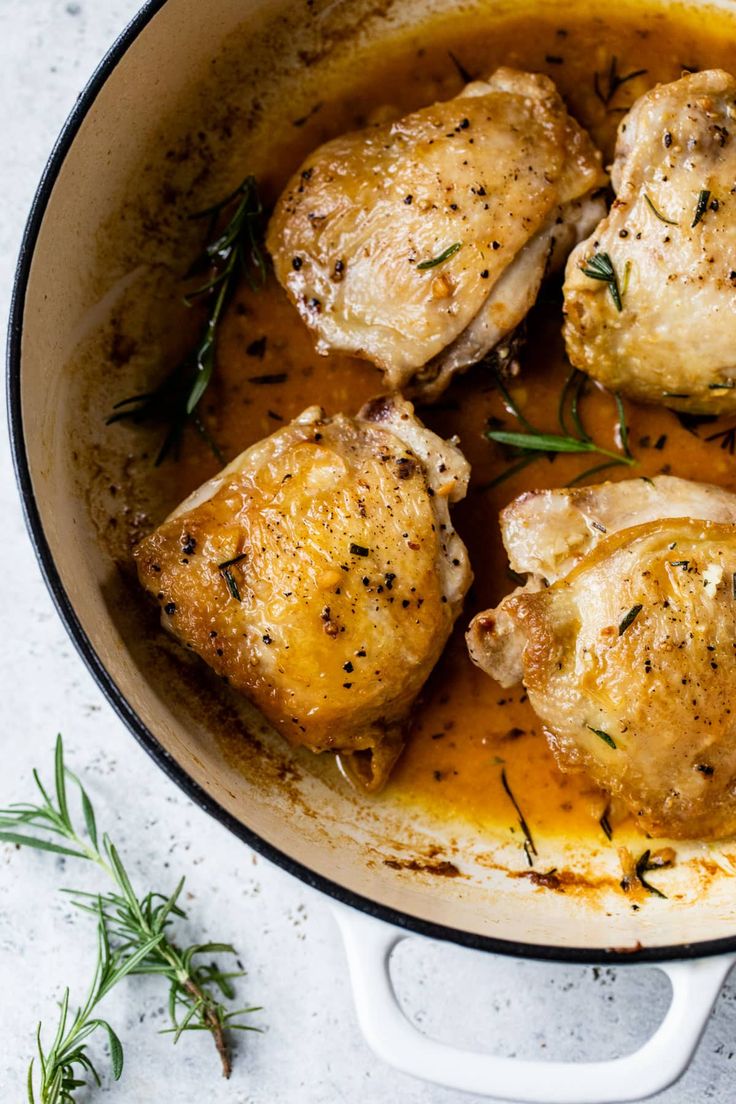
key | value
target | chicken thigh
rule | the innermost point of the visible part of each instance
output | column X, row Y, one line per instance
column 421, row 244
column 625, row 639
column 320, row 574
column 650, row 298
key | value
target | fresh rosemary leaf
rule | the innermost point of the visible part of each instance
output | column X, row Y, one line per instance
column 463, row 73
column 727, row 438
column 701, row 208
column 600, row 267
column 627, row 276
column 507, row 473
column 529, row 846
column 225, row 570
column 596, row 470
column 577, row 395
column 132, row 938
column 623, row 425
column 613, row 81
column 604, row 736
column 629, row 619
column 567, row 385
column 539, row 442
column 658, row 213
column 444, row 256
column 605, row 823
column 232, row 585
column 511, row 405
column 269, row 378
column 39, row 844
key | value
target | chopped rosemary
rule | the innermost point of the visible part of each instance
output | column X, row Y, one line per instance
column 642, row 867
column 727, row 438
column 724, row 385
column 733, row 585
column 444, row 256
column 615, row 81
column 701, row 208
column 600, row 267
column 658, row 213
column 629, row 619
column 235, row 251
column 529, row 846
column 604, row 736
column 358, row 550
column 605, row 823
column 269, row 377
column 226, row 572
column 462, row 71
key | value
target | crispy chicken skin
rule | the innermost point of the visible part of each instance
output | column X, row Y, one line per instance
column 625, row 639
column 674, row 341
column 501, row 171
column 320, row 574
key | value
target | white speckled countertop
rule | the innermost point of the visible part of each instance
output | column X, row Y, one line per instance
column 311, row 1050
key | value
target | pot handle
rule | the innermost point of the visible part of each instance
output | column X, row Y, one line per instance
column 659, row 1062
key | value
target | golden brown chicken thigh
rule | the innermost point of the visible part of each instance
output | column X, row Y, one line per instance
column 663, row 327
column 421, row 244
column 625, row 639
column 320, row 574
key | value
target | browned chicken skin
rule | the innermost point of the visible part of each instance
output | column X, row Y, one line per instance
column 320, row 574
column 670, row 236
column 625, row 639
column 422, row 244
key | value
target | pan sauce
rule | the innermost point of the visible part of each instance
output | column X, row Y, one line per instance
column 467, row 728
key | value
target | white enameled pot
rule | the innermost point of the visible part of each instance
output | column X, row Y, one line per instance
column 188, row 97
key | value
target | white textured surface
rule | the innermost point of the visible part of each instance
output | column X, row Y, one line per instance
column 311, row 1050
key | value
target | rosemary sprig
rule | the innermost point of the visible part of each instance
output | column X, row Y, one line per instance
column 135, row 928
column 537, row 443
column 600, row 267
column 235, row 251
column 614, row 81
column 66, row 1059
